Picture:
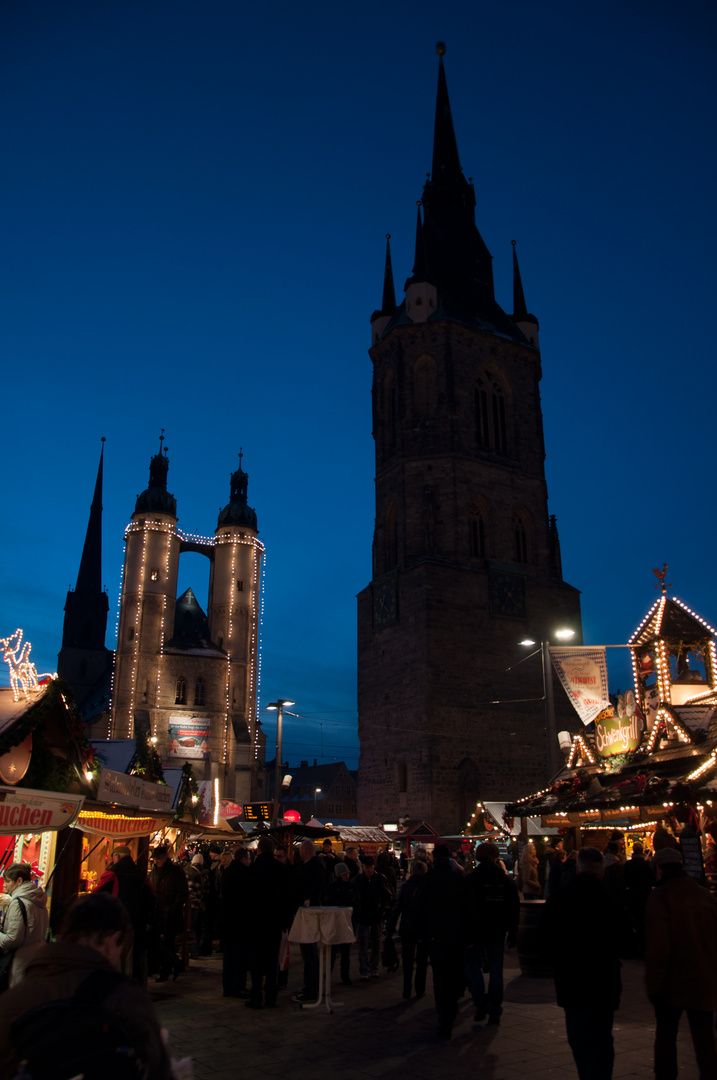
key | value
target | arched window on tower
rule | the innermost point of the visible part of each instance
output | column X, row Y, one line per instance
column 477, row 529
column 390, row 538
column 424, row 386
column 520, row 539
column 390, row 408
column 180, row 693
column 491, row 425
column 199, row 691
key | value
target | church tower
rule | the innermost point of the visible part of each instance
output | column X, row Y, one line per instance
column 466, row 560
column 187, row 677
column 83, row 661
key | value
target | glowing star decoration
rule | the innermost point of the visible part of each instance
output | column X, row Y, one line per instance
column 23, row 673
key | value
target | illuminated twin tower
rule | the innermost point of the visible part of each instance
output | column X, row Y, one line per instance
column 186, row 678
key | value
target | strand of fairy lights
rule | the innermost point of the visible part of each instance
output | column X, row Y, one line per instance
column 232, row 575
column 161, row 630
column 253, row 684
column 135, row 653
column 259, row 636
column 113, row 718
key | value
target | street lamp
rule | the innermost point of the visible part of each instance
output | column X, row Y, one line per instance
column 551, row 727
column 278, row 707
column 317, row 791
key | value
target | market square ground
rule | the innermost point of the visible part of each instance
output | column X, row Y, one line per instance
column 377, row 1034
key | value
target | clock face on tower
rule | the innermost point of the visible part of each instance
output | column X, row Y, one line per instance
column 384, row 602
column 507, row 595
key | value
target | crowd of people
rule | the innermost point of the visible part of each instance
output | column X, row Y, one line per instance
column 600, row 907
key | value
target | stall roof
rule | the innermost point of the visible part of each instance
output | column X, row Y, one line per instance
column 363, row 834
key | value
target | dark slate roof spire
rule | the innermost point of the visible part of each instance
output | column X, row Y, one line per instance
column 388, row 304
column 520, row 310
column 89, row 577
column 420, row 265
column 156, row 498
column 446, row 163
column 237, row 512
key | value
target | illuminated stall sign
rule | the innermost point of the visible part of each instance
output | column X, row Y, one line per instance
column 23, row 810
column 118, row 825
column 115, row 787
column 617, row 734
column 188, row 737
column 257, row 811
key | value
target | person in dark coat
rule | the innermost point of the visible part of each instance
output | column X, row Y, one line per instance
column 445, row 925
column 495, row 913
column 406, row 914
column 372, row 898
column 128, row 883
column 681, row 964
column 339, row 893
column 234, row 925
column 582, row 933
column 639, row 880
column 268, row 903
column 172, row 892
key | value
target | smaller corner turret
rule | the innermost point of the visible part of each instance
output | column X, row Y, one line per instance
column 155, row 498
column 237, row 512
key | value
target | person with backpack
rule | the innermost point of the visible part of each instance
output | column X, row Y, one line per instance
column 74, row 1013
column 25, row 921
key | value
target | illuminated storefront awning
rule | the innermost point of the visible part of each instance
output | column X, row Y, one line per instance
column 120, row 826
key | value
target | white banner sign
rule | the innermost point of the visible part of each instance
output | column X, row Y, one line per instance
column 23, row 810
column 583, row 673
column 115, row 787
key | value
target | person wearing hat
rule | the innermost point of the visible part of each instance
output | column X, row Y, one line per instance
column 681, row 964
column 339, row 893
column 124, row 879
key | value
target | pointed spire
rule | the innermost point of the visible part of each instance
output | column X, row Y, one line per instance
column 556, row 562
column 237, row 512
column 420, row 267
column 156, row 498
column 520, row 311
column 446, row 164
column 89, row 577
column 388, row 305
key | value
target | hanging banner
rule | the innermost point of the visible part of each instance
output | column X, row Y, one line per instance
column 188, row 737
column 127, row 790
column 23, row 810
column 117, row 825
column 583, row 673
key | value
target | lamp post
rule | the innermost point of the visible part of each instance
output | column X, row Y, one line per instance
column 278, row 706
column 551, row 727
column 317, row 791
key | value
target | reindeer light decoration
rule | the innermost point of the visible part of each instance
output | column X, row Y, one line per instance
column 23, row 673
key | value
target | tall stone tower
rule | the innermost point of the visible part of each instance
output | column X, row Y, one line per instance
column 83, row 661
column 187, row 678
column 466, row 560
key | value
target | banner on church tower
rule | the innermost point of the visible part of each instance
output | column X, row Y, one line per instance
column 583, row 672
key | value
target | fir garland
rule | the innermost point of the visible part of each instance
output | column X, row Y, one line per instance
column 148, row 763
column 189, row 790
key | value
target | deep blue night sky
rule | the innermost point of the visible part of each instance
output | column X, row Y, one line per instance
column 195, row 199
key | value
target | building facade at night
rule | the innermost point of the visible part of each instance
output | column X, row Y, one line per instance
column 187, row 678
column 466, row 558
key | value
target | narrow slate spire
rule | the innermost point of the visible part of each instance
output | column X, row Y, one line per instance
column 89, row 578
column 420, row 265
column 388, row 305
column 446, row 164
column 520, row 311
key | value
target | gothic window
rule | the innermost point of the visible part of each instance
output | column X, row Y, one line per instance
column 424, row 386
column 402, row 776
column 130, row 633
column 520, row 539
column 491, row 426
column 390, row 538
column 240, row 586
column 154, row 574
column 389, row 408
column 180, row 693
column 199, row 691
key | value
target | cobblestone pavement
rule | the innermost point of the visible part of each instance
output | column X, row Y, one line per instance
column 377, row 1034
